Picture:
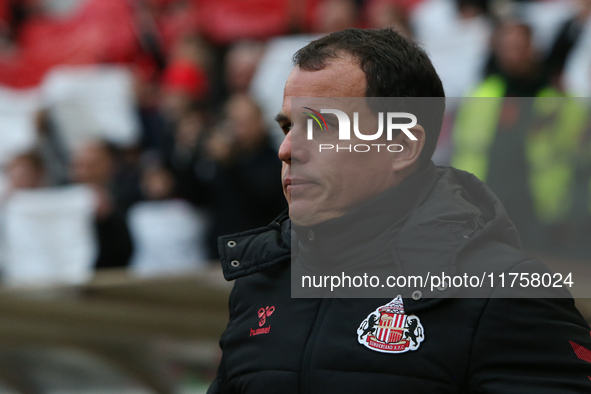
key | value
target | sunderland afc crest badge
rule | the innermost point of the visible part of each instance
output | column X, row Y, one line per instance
column 389, row 330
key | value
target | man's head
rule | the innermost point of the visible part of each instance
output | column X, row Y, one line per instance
column 93, row 163
column 514, row 50
column 354, row 63
column 26, row 171
column 246, row 122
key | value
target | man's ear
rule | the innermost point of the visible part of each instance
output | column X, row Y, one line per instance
column 408, row 157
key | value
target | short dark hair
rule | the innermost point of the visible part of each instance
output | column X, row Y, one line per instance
column 394, row 67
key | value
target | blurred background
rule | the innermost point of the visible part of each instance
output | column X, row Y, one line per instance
column 134, row 132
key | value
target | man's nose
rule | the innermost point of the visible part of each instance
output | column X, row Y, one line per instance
column 293, row 149
column 285, row 149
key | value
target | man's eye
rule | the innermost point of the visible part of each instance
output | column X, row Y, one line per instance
column 286, row 128
column 332, row 126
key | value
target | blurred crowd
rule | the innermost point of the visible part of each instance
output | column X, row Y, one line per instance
column 206, row 79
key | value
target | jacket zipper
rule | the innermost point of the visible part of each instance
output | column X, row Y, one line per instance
column 478, row 223
column 311, row 340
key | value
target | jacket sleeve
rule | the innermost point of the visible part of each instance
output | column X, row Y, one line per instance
column 214, row 388
column 218, row 386
column 530, row 345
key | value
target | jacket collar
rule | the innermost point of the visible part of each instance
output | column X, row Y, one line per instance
column 255, row 250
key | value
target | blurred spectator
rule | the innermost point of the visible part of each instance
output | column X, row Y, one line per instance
column 515, row 62
column 469, row 9
column 94, row 165
column 545, row 18
column 52, row 150
column 5, row 31
column 174, row 19
column 388, row 13
column 187, row 158
column 13, row 14
column 566, row 39
column 23, row 172
column 157, row 184
column 46, row 233
column 168, row 233
column 241, row 62
column 456, row 36
column 335, row 15
column 246, row 182
column 527, row 147
column 26, row 171
column 185, row 78
column 569, row 60
column 500, row 158
column 153, row 57
column 147, row 92
column 183, row 83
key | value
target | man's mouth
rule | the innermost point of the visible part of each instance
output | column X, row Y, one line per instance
column 290, row 183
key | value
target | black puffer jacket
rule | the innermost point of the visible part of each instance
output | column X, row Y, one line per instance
column 278, row 344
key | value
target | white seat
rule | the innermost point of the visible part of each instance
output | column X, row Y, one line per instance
column 92, row 102
column 17, row 121
column 49, row 236
column 270, row 76
column 458, row 48
column 168, row 238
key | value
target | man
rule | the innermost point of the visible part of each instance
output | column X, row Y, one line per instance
column 540, row 187
column 278, row 344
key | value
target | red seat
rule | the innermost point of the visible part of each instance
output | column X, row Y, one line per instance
column 101, row 31
column 224, row 21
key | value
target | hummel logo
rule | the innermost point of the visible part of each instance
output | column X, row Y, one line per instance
column 263, row 313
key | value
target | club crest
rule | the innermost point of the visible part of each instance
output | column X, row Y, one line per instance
column 389, row 330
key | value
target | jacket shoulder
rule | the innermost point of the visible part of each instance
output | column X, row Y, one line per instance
column 255, row 250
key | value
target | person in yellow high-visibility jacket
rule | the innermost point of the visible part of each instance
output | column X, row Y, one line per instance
column 527, row 149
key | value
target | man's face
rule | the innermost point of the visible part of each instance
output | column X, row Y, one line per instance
column 514, row 50
column 320, row 186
